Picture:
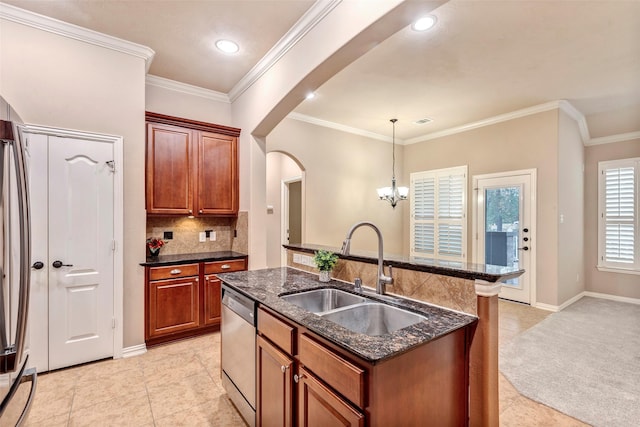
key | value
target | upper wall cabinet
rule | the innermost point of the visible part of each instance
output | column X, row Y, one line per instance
column 192, row 167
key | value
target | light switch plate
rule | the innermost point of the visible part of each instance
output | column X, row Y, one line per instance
column 212, row 236
column 203, row 236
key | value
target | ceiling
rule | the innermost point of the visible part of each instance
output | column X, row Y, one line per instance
column 482, row 59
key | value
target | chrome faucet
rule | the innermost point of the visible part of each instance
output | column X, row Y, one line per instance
column 346, row 247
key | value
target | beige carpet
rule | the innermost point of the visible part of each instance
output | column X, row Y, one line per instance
column 583, row 361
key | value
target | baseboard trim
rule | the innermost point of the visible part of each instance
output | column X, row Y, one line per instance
column 136, row 350
column 556, row 308
column 612, row 297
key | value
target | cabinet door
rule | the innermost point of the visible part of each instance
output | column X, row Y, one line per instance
column 173, row 306
column 217, row 174
column 169, row 165
column 212, row 289
column 274, row 401
column 319, row 406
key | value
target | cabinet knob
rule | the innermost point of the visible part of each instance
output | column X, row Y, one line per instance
column 284, row 368
column 176, row 271
column 200, row 211
column 297, row 378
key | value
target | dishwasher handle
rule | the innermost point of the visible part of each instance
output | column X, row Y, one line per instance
column 241, row 305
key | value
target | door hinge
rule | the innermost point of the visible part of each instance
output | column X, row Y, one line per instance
column 111, row 164
column 113, row 323
column 113, row 245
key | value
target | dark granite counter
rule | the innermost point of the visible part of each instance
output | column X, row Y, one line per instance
column 190, row 258
column 266, row 286
column 488, row 273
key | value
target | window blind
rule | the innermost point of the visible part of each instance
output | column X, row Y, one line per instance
column 618, row 219
column 438, row 213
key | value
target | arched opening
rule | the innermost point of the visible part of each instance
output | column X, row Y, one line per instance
column 285, row 179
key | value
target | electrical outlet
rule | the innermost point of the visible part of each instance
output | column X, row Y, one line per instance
column 203, row 236
column 212, row 236
column 168, row 235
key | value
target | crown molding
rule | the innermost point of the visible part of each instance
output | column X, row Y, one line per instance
column 310, row 19
column 338, row 126
column 621, row 137
column 176, row 86
column 45, row 23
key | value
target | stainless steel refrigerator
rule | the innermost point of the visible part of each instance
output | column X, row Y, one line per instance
column 17, row 383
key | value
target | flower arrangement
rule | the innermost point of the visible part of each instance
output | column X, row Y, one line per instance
column 154, row 244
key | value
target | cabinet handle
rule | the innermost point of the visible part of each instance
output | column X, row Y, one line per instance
column 297, row 378
column 284, row 368
column 225, row 266
column 176, row 271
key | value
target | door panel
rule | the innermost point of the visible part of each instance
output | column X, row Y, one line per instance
column 504, row 229
column 81, row 290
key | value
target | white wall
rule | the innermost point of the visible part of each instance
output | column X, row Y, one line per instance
column 624, row 285
column 61, row 82
column 179, row 104
column 529, row 142
column 342, row 172
column 570, row 209
column 280, row 167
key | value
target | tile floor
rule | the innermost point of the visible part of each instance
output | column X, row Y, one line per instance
column 179, row 385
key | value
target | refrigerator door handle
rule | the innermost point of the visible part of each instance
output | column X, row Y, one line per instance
column 30, row 375
column 25, row 246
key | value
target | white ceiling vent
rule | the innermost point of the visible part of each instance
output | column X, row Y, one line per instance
column 423, row 121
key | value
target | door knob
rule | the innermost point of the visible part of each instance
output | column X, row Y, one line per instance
column 524, row 248
column 58, row 264
column 38, row 265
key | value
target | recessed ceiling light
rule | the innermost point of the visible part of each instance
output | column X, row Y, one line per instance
column 227, row 46
column 310, row 95
column 424, row 23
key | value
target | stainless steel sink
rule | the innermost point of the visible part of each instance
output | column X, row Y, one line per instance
column 374, row 318
column 322, row 300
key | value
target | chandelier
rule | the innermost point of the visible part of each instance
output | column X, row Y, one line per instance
column 394, row 193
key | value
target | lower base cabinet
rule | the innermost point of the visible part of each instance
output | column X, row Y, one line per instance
column 183, row 300
column 319, row 406
column 426, row 386
column 274, row 383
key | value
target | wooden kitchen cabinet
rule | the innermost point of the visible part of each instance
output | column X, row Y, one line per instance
column 274, row 385
column 319, row 406
column 191, row 167
column 279, row 346
column 427, row 385
column 183, row 300
column 173, row 303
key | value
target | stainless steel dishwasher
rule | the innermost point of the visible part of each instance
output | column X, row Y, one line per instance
column 238, row 335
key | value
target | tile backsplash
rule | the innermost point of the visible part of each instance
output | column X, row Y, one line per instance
column 186, row 233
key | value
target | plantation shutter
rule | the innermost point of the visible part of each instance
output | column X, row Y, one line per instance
column 619, row 214
column 438, row 220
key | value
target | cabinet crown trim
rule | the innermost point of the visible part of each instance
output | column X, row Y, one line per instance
column 191, row 124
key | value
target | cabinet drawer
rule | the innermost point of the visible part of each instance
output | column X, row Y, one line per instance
column 224, row 266
column 173, row 271
column 279, row 332
column 342, row 375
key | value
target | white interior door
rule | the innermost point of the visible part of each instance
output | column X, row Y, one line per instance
column 505, row 225
column 73, row 234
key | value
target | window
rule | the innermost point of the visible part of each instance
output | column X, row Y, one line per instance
column 438, row 214
column 618, row 209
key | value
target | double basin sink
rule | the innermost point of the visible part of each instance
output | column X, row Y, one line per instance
column 354, row 312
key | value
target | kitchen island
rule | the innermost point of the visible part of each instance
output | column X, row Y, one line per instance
column 465, row 287
column 414, row 375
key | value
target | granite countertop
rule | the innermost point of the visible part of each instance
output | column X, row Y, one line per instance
column 464, row 270
column 189, row 258
column 267, row 285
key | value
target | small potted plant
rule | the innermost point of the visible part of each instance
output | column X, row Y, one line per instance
column 154, row 244
column 325, row 261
